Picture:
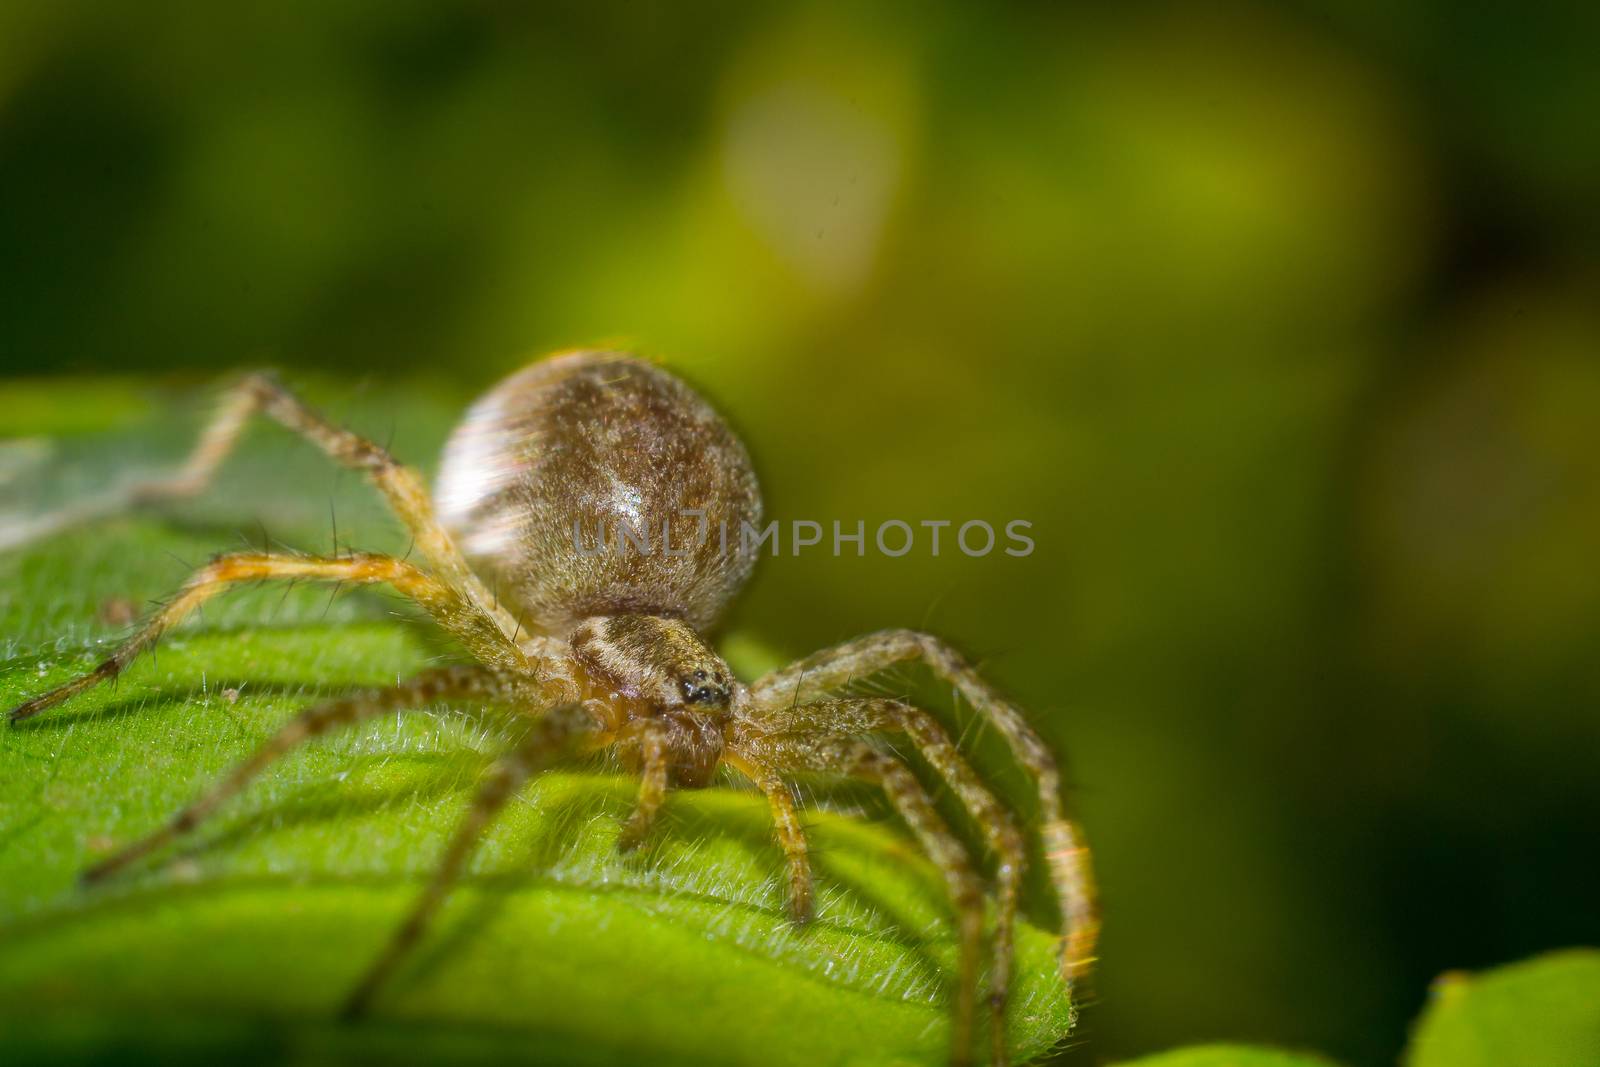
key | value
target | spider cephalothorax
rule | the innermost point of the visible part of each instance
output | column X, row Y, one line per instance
column 655, row 672
column 602, row 647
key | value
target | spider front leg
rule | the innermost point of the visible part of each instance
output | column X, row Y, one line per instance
column 556, row 733
column 459, row 683
column 1066, row 855
column 916, row 807
column 802, row 751
column 855, row 718
column 476, row 630
column 653, row 772
column 790, row 832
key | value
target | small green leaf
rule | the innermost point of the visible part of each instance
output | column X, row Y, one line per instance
column 1228, row 1056
column 1543, row 1012
column 238, row 945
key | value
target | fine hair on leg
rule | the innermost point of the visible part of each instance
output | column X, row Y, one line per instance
column 401, row 485
column 1066, row 855
column 471, row 627
column 653, row 770
column 858, row 759
column 804, row 725
column 789, row 831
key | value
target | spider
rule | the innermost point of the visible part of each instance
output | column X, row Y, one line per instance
column 605, row 650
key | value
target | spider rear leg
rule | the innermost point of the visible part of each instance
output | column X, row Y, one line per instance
column 401, row 485
column 474, row 683
column 481, row 636
column 556, row 733
column 1066, row 854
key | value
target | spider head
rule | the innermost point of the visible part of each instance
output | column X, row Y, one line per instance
column 658, row 660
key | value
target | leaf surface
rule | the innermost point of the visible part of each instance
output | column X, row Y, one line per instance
column 238, row 944
column 1543, row 1012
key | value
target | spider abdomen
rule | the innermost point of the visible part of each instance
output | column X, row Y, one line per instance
column 594, row 483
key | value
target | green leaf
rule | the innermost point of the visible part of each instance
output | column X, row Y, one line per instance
column 238, row 945
column 1543, row 1012
column 1228, row 1056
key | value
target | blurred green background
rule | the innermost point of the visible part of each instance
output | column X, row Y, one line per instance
column 1278, row 322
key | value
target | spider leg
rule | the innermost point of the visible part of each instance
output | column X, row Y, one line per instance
column 472, row 627
column 803, row 751
column 1066, row 854
column 790, row 832
column 875, row 715
column 404, row 488
column 473, row 683
column 653, row 769
column 554, row 734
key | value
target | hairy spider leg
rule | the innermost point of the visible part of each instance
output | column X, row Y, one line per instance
column 476, row 684
column 556, row 733
column 653, row 772
column 799, row 752
column 810, row 724
column 403, row 487
column 916, row 807
column 788, row 829
column 1066, row 854
column 453, row 611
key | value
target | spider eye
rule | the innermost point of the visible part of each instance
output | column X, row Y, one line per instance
column 697, row 691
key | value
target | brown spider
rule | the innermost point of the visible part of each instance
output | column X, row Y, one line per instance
column 604, row 649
